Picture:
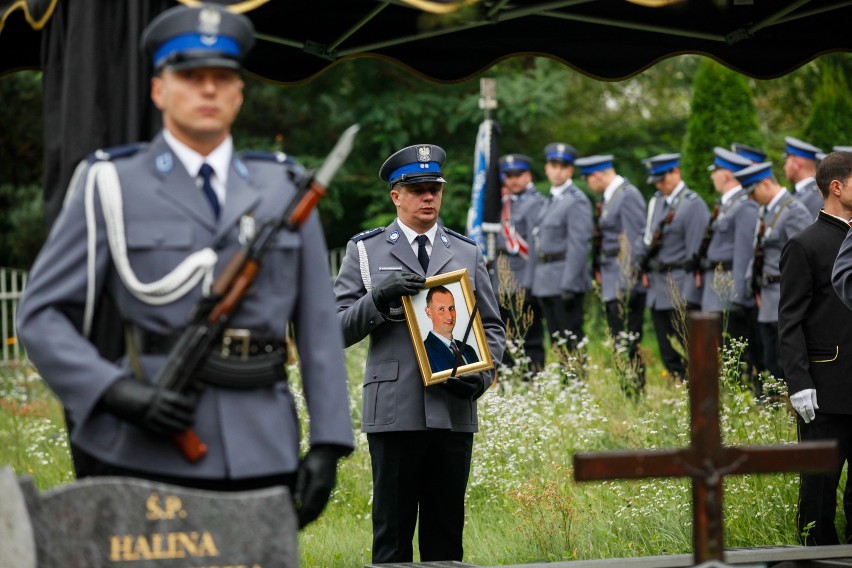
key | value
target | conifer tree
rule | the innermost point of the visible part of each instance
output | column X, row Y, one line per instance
column 722, row 111
column 830, row 120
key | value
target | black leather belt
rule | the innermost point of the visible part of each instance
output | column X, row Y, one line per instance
column 240, row 362
column 556, row 257
column 665, row 267
column 236, row 343
column 610, row 253
column 770, row 279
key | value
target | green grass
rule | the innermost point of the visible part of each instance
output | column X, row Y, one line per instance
column 523, row 504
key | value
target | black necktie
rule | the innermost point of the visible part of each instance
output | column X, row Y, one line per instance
column 422, row 255
column 455, row 349
column 205, row 172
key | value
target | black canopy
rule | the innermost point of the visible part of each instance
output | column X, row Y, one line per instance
column 606, row 39
column 95, row 78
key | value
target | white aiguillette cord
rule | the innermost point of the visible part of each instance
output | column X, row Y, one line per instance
column 167, row 289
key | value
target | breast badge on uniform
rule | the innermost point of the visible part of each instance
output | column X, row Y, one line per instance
column 247, row 228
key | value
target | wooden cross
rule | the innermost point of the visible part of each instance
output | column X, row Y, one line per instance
column 705, row 460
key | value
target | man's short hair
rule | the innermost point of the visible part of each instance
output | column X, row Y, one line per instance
column 835, row 166
column 433, row 290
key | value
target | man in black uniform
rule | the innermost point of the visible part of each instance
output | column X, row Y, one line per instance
column 816, row 346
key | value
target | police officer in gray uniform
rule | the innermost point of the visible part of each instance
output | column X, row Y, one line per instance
column 780, row 217
column 677, row 217
column 619, row 222
column 800, row 162
column 558, row 272
column 149, row 225
column 728, row 247
column 420, row 438
column 521, row 206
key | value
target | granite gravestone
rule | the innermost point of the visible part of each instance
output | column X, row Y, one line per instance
column 133, row 523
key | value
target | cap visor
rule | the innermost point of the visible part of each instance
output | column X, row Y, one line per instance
column 655, row 178
column 421, row 179
column 199, row 62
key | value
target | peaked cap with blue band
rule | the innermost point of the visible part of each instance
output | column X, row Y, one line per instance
column 749, row 177
column 591, row 164
column 207, row 35
column 750, row 152
column 515, row 163
column 796, row 147
column 560, row 152
column 658, row 166
column 725, row 159
column 414, row 164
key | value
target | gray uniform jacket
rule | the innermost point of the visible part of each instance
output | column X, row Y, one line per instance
column 811, row 198
column 250, row 432
column 786, row 218
column 680, row 243
column 732, row 245
column 623, row 214
column 524, row 211
column 395, row 399
column 564, row 229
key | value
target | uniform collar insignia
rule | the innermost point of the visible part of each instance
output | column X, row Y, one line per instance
column 164, row 162
column 444, row 239
column 241, row 168
column 394, row 236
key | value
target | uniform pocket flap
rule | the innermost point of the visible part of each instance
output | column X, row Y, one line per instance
column 287, row 240
column 160, row 235
column 383, row 371
column 823, row 353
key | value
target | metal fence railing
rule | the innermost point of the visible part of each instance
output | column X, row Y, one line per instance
column 12, row 282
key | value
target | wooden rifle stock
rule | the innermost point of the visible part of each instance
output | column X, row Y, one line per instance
column 227, row 291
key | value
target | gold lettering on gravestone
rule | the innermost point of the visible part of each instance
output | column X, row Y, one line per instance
column 171, row 508
column 163, row 546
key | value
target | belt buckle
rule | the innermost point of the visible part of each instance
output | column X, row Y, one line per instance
column 231, row 338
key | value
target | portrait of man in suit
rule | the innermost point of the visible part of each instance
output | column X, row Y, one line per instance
column 445, row 352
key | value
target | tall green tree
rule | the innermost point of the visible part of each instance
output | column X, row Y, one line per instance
column 722, row 111
column 830, row 120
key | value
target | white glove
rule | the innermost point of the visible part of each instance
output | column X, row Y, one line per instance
column 805, row 403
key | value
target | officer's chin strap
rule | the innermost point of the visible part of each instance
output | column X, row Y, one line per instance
column 167, row 289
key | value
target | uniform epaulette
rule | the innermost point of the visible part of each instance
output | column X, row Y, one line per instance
column 109, row 154
column 279, row 157
column 367, row 234
column 692, row 196
column 297, row 171
column 459, row 235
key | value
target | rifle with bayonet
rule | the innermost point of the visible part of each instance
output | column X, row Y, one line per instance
column 211, row 315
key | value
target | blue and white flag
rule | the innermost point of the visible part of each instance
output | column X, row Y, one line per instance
column 484, row 213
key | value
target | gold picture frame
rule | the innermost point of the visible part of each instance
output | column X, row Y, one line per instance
column 433, row 356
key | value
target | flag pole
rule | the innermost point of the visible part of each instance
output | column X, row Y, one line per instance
column 488, row 103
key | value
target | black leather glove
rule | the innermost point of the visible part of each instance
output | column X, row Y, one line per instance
column 156, row 410
column 470, row 387
column 392, row 288
column 315, row 481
